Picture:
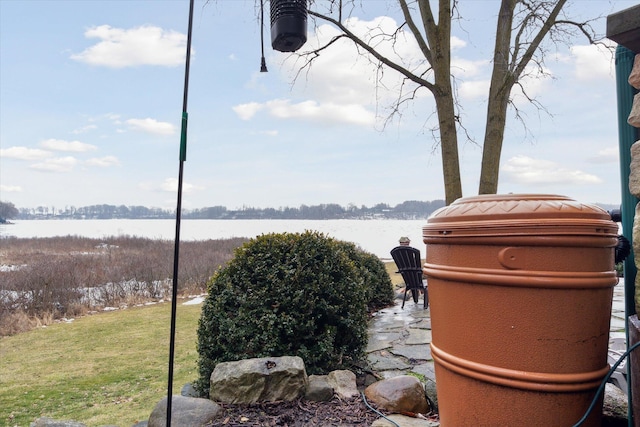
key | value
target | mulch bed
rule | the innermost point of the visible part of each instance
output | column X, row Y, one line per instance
column 297, row 413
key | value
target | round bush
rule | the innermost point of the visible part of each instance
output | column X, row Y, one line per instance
column 378, row 286
column 297, row 294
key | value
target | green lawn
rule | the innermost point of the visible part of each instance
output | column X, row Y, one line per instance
column 102, row 369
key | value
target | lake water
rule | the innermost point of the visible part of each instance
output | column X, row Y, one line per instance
column 375, row 236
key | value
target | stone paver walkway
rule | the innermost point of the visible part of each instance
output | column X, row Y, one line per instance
column 399, row 341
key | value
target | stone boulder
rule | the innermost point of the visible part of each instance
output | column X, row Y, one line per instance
column 185, row 411
column 266, row 379
column 634, row 170
column 189, row 391
column 634, row 76
column 400, row 394
column 319, row 389
column 615, row 407
column 343, row 383
column 634, row 115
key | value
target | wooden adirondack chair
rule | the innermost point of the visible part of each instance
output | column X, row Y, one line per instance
column 407, row 260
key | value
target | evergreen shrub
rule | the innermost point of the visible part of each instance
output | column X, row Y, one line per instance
column 378, row 286
column 297, row 294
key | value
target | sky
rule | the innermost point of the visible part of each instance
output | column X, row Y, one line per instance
column 91, row 100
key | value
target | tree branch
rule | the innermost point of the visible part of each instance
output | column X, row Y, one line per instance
column 360, row 43
column 415, row 31
column 547, row 25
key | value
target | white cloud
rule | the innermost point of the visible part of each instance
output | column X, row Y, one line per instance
column 326, row 113
column 474, row 89
column 457, row 43
column 171, row 185
column 461, row 67
column 344, row 75
column 527, row 170
column 103, row 161
column 152, row 126
column 352, row 85
column 310, row 111
column 10, row 188
column 24, row 153
column 592, row 62
column 247, row 111
column 145, row 45
column 84, row 129
column 59, row 164
column 61, row 145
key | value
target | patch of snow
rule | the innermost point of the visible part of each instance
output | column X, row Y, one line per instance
column 105, row 246
column 9, row 267
column 194, row 301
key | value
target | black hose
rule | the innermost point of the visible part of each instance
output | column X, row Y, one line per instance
column 364, row 399
column 604, row 383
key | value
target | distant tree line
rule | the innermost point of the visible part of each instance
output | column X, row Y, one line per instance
column 412, row 209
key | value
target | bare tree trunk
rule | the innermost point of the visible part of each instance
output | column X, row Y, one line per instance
column 501, row 84
column 439, row 37
column 449, row 145
column 510, row 58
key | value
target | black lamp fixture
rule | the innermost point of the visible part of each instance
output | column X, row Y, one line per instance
column 288, row 24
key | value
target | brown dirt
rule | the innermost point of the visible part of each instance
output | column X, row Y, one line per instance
column 298, row 413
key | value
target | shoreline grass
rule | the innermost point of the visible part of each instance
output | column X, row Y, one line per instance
column 43, row 279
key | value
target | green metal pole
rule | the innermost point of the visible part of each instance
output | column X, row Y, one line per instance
column 627, row 135
column 176, row 251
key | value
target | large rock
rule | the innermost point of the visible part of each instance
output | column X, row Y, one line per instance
column 185, row 411
column 399, row 394
column 343, row 383
column 634, row 115
column 189, row 391
column 615, row 407
column 634, row 170
column 49, row 422
column 258, row 380
column 319, row 389
column 634, row 76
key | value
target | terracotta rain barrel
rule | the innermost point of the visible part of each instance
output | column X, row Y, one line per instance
column 521, row 288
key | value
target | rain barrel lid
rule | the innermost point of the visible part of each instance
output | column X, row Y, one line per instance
column 530, row 211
